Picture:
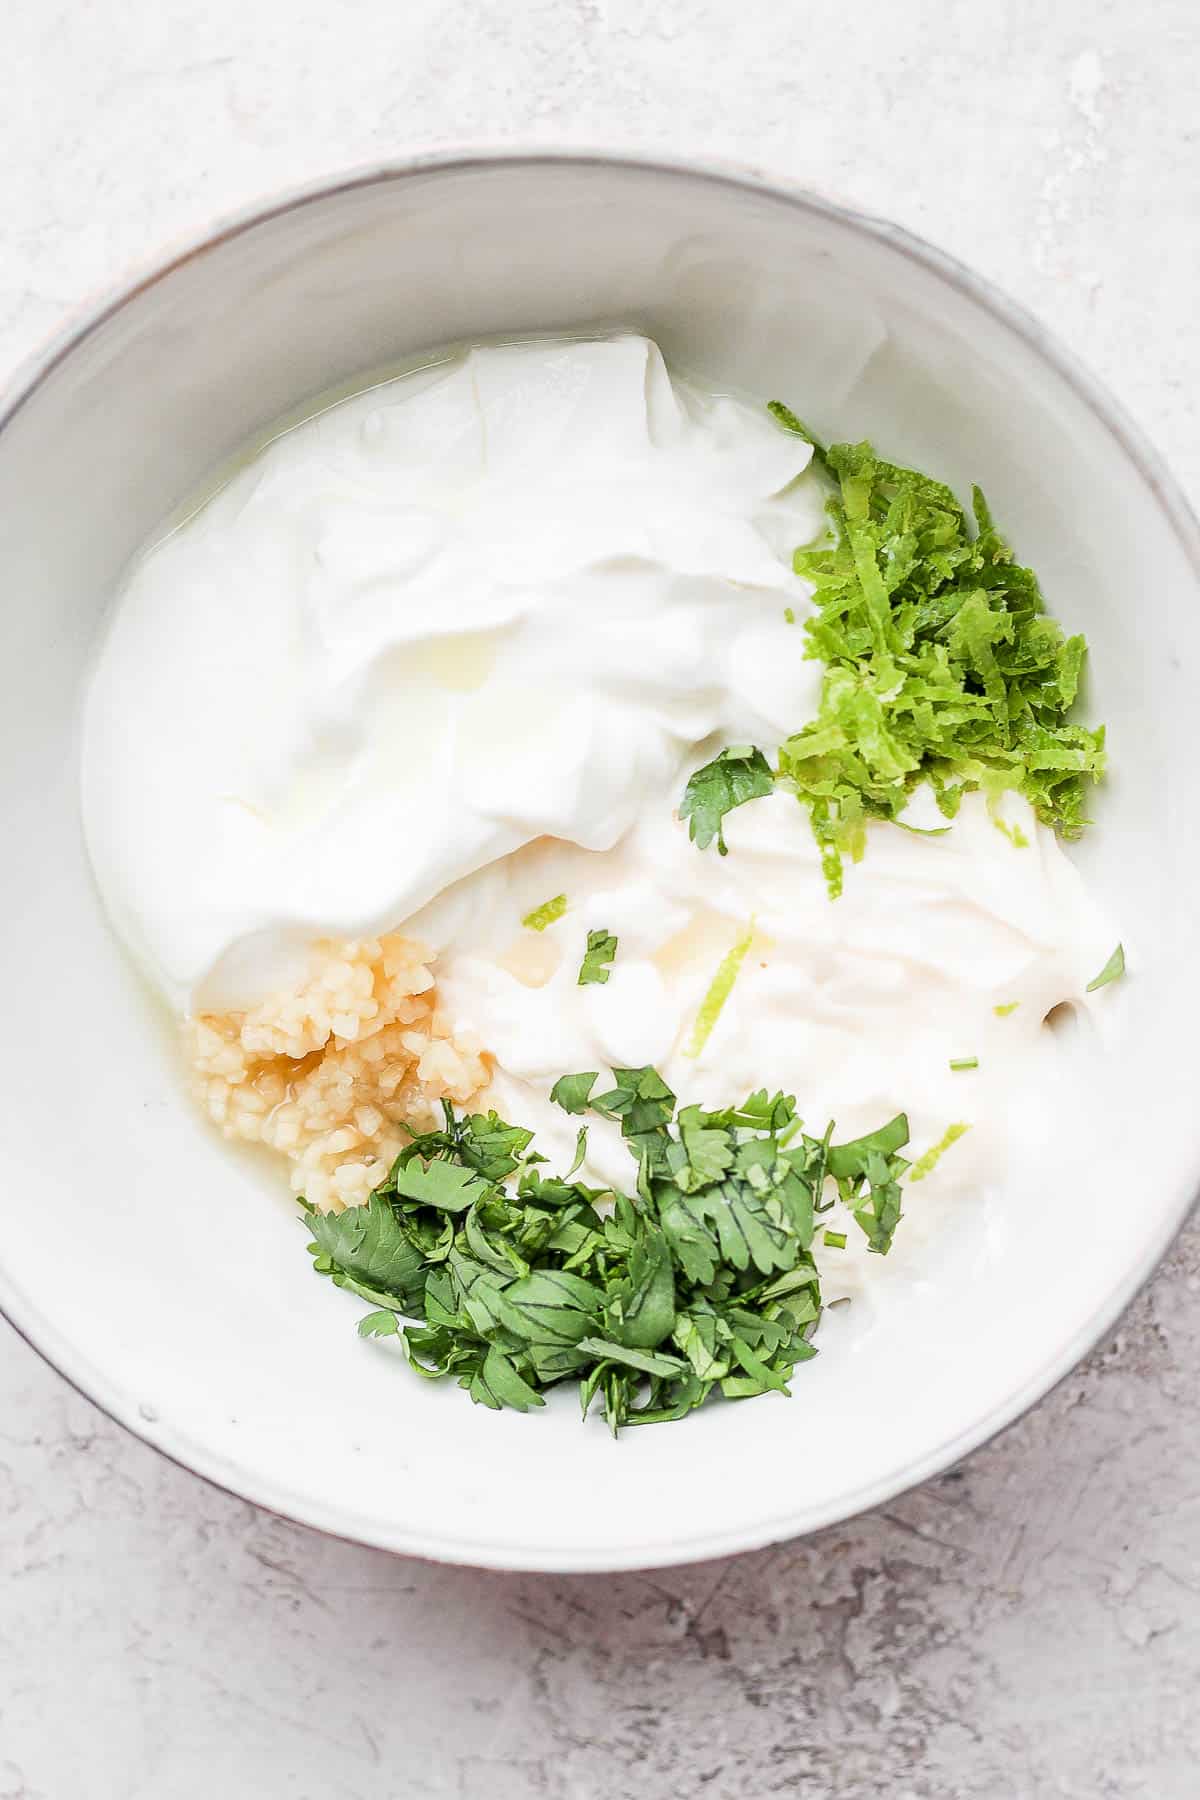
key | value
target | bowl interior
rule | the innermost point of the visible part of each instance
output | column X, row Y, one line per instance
column 167, row 1277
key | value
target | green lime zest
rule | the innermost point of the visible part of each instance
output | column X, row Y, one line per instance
column 1113, row 969
column 926, row 1163
column 719, row 990
column 545, row 914
column 941, row 665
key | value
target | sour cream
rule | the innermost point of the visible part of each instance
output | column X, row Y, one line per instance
column 497, row 600
column 858, row 1007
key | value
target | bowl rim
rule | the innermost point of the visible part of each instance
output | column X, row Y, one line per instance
column 21, row 386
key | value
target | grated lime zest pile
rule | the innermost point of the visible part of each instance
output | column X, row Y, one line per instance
column 941, row 665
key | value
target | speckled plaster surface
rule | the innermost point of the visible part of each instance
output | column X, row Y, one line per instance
column 1028, row 1625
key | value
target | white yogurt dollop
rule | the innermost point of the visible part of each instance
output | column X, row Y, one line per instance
column 497, row 600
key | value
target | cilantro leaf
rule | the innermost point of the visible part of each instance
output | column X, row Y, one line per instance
column 871, row 1163
column 850, row 1159
column 704, row 1343
column 547, row 1312
column 571, row 1092
column 368, row 1249
column 707, row 1151
column 879, row 1213
column 642, row 1360
column 497, row 1383
column 740, row 773
column 439, row 1184
column 482, row 1141
column 581, row 1138
column 641, row 1100
column 601, row 948
column 378, row 1324
column 639, row 1309
column 490, row 1146
column 760, row 1112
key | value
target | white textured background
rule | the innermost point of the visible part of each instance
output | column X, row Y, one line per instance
column 1028, row 1625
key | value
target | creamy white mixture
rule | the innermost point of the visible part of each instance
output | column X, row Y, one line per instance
column 498, row 600
column 857, row 1006
column 452, row 648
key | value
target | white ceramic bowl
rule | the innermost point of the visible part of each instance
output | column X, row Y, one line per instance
column 163, row 1277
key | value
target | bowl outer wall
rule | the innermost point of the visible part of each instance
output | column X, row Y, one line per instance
column 702, row 293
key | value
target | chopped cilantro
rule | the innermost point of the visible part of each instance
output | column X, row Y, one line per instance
column 365, row 1250
column 740, row 773
column 439, row 1184
column 872, row 1163
column 699, row 1282
column 789, row 613
column 927, row 1162
column 719, row 991
column 964, row 1062
column 847, row 1159
column 601, row 948
column 1113, row 968
column 580, row 1157
column 571, row 1092
column 546, row 913
column 941, row 664
column 1010, row 1006
column 640, row 1099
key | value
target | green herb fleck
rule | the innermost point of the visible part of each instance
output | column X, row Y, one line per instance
column 601, row 948
column 784, row 416
column 571, row 1092
column 926, row 1163
column 1112, row 970
column 868, row 1171
column 378, row 1324
column 546, row 913
column 740, row 773
column 719, row 991
column 964, row 1062
column 366, row 1250
column 1010, row 1006
column 836, row 1240
column 941, row 665
column 580, row 1157
column 789, row 613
